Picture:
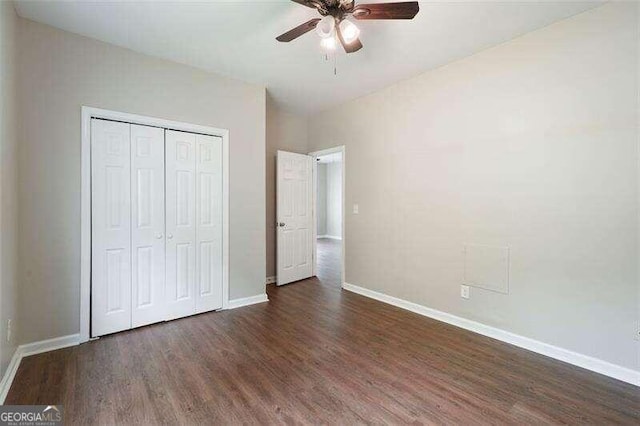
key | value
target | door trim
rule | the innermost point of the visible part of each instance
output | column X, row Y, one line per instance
column 314, row 166
column 85, row 198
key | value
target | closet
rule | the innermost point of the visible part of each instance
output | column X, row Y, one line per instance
column 156, row 225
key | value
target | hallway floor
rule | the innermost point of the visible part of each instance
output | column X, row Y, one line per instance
column 329, row 258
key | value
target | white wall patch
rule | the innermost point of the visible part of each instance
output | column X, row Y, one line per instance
column 487, row 267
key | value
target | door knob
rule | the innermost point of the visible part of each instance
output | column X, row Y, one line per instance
column 281, row 224
column 159, row 235
column 169, row 236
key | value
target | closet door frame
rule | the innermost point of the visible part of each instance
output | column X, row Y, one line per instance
column 85, row 202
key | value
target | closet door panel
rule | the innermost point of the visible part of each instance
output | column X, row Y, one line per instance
column 180, row 183
column 147, row 225
column 110, row 227
column 209, row 223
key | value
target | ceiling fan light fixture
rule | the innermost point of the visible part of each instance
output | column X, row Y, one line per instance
column 326, row 26
column 328, row 43
column 349, row 31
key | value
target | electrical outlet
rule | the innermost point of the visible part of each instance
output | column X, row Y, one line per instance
column 9, row 330
column 464, row 291
column 356, row 209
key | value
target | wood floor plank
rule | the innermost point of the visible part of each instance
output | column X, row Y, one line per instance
column 316, row 354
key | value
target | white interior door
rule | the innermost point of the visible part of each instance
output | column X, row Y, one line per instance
column 147, row 225
column 110, row 227
column 208, row 223
column 180, row 156
column 295, row 221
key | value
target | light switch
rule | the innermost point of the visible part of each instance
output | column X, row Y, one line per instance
column 464, row 291
column 355, row 209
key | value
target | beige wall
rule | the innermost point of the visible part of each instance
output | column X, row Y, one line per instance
column 531, row 145
column 60, row 72
column 286, row 131
column 8, row 182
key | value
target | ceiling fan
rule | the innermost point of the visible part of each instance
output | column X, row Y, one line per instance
column 335, row 23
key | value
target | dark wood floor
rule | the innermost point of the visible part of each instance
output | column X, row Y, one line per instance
column 316, row 354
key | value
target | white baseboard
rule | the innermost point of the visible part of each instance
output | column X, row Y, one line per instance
column 272, row 279
column 599, row 366
column 246, row 301
column 50, row 345
column 33, row 349
column 331, row 237
column 9, row 375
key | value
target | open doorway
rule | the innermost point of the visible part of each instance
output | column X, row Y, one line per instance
column 329, row 216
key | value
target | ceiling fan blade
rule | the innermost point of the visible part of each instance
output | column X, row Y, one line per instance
column 298, row 31
column 354, row 46
column 401, row 10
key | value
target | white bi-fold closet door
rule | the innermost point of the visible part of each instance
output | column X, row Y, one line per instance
column 156, row 225
column 193, row 223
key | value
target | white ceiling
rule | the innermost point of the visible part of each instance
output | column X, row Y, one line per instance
column 237, row 39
